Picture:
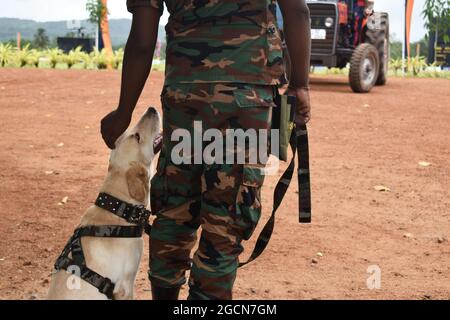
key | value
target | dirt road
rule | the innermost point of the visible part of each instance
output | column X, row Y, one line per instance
column 51, row 148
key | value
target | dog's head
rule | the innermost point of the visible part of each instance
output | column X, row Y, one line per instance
column 135, row 151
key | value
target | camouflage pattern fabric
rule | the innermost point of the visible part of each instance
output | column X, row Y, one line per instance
column 220, row 41
column 224, row 199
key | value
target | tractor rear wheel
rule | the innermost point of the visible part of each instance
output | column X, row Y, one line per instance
column 377, row 34
column 364, row 68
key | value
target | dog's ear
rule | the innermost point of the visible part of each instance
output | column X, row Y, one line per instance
column 138, row 182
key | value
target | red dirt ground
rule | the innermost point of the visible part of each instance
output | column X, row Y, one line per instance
column 357, row 142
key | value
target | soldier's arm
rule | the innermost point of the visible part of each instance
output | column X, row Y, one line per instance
column 297, row 31
column 138, row 56
column 298, row 39
column 136, row 67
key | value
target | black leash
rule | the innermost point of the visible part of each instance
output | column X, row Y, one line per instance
column 303, row 174
column 299, row 146
column 137, row 215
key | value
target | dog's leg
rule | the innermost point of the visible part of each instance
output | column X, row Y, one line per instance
column 124, row 290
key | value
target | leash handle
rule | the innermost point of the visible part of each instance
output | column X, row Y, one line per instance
column 303, row 172
column 303, row 175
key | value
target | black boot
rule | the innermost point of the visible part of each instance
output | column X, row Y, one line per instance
column 160, row 293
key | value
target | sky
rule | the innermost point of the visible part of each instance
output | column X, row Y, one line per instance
column 53, row 10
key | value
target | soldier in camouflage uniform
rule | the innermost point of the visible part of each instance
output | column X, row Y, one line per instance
column 223, row 63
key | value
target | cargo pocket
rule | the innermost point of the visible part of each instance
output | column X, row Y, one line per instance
column 158, row 189
column 248, row 201
column 254, row 96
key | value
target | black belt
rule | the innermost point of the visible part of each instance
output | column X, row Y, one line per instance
column 299, row 146
column 133, row 214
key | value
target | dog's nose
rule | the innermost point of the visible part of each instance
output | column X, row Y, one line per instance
column 151, row 111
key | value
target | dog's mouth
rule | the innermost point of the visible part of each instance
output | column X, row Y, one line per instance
column 157, row 143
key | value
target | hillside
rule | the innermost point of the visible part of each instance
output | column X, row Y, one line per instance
column 10, row 26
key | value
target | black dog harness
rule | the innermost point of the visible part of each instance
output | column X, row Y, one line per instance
column 133, row 214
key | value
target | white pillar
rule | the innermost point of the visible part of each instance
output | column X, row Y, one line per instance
column 96, row 38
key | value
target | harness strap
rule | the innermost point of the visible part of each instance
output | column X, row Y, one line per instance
column 133, row 214
column 299, row 145
column 103, row 284
column 110, row 231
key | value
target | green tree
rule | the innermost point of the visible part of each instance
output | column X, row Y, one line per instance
column 41, row 39
column 98, row 14
column 96, row 10
column 437, row 17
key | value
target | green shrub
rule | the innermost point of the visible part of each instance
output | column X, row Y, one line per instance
column 54, row 56
column 118, row 58
column 6, row 54
column 76, row 57
column 101, row 59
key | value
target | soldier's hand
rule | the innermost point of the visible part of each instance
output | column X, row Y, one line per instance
column 113, row 125
column 303, row 112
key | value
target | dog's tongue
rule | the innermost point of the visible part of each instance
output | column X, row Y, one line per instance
column 157, row 143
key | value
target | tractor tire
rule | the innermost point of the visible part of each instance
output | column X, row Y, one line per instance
column 364, row 68
column 377, row 34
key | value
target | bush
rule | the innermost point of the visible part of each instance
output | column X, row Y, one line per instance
column 6, row 54
column 102, row 59
column 54, row 56
column 417, row 67
column 56, row 59
column 118, row 58
column 28, row 57
column 76, row 57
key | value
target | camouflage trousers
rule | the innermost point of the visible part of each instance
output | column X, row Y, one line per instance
column 223, row 199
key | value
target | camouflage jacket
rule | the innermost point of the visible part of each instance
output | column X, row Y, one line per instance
column 220, row 41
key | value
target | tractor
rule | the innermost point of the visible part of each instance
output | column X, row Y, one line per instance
column 335, row 45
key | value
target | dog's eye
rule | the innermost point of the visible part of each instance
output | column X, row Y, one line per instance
column 138, row 137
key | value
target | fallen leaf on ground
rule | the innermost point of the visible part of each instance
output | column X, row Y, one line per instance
column 382, row 188
column 319, row 254
column 424, row 163
column 441, row 239
column 49, row 172
column 408, row 235
column 60, row 144
column 63, row 201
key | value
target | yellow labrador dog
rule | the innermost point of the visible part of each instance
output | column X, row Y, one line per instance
column 102, row 258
